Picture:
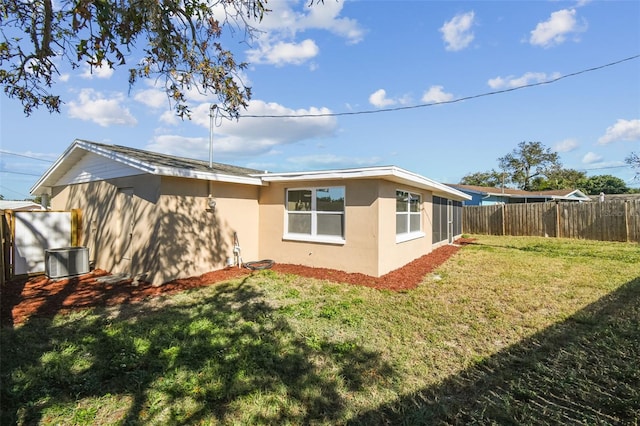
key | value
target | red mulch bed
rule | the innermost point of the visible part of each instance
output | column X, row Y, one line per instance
column 39, row 296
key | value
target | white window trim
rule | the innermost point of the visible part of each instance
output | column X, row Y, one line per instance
column 411, row 235
column 401, row 238
column 325, row 239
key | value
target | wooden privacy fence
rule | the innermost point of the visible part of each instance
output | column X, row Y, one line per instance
column 603, row 221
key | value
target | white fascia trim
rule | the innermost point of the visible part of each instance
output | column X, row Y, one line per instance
column 577, row 194
column 367, row 172
column 40, row 182
column 218, row 177
column 395, row 173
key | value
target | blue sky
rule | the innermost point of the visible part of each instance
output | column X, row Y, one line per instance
column 357, row 59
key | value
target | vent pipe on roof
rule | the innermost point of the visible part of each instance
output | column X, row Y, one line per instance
column 211, row 124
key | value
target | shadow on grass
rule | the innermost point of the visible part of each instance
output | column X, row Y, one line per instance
column 585, row 370
column 223, row 356
column 10, row 297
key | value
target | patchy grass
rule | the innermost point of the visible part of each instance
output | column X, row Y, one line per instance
column 510, row 330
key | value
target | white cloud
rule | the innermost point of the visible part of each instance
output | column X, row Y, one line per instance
column 153, row 98
column 89, row 72
column 170, row 117
column 283, row 53
column 93, row 106
column 379, row 99
column 591, row 157
column 457, row 33
column 623, row 130
column 527, row 78
column 435, row 94
column 277, row 43
column 326, row 16
column 554, row 31
column 566, row 145
column 249, row 136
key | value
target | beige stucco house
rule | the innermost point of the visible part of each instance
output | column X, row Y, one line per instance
column 160, row 217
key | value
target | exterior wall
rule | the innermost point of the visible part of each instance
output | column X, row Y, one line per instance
column 159, row 229
column 394, row 255
column 360, row 251
column 370, row 229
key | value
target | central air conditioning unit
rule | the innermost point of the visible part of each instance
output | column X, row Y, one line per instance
column 66, row 261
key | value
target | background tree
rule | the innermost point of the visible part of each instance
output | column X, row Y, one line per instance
column 492, row 178
column 608, row 184
column 179, row 42
column 634, row 161
column 558, row 178
column 528, row 161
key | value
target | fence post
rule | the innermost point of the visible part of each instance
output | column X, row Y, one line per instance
column 76, row 227
column 504, row 219
column 626, row 221
column 557, row 219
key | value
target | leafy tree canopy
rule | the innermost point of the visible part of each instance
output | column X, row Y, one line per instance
column 558, row 178
column 528, row 161
column 604, row 183
column 175, row 42
column 490, row 179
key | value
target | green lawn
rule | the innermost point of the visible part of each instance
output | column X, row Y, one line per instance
column 510, row 331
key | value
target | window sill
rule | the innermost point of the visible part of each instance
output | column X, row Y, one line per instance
column 314, row 239
column 401, row 238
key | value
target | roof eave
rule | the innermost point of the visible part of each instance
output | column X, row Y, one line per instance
column 211, row 176
column 392, row 173
column 42, row 182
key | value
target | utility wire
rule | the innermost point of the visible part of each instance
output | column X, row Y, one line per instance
column 15, row 192
column 608, row 167
column 2, row 151
column 466, row 98
column 19, row 173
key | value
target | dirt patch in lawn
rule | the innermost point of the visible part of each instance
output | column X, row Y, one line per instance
column 23, row 298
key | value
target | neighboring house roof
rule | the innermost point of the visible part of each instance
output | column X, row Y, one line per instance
column 78, row 165
column 556, row 194
column 20, row 205
column 136, row 161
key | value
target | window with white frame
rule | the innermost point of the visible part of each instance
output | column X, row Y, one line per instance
column 315, row 214
column 408, row 214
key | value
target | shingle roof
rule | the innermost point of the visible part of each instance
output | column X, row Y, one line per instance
column 164, row 160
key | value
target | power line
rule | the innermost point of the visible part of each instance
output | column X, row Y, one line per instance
column 19, row 173
column 15, row 192
column 24, row 156
column 609, row 167
column 453, row 101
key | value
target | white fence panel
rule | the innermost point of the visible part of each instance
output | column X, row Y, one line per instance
column 34, row 233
